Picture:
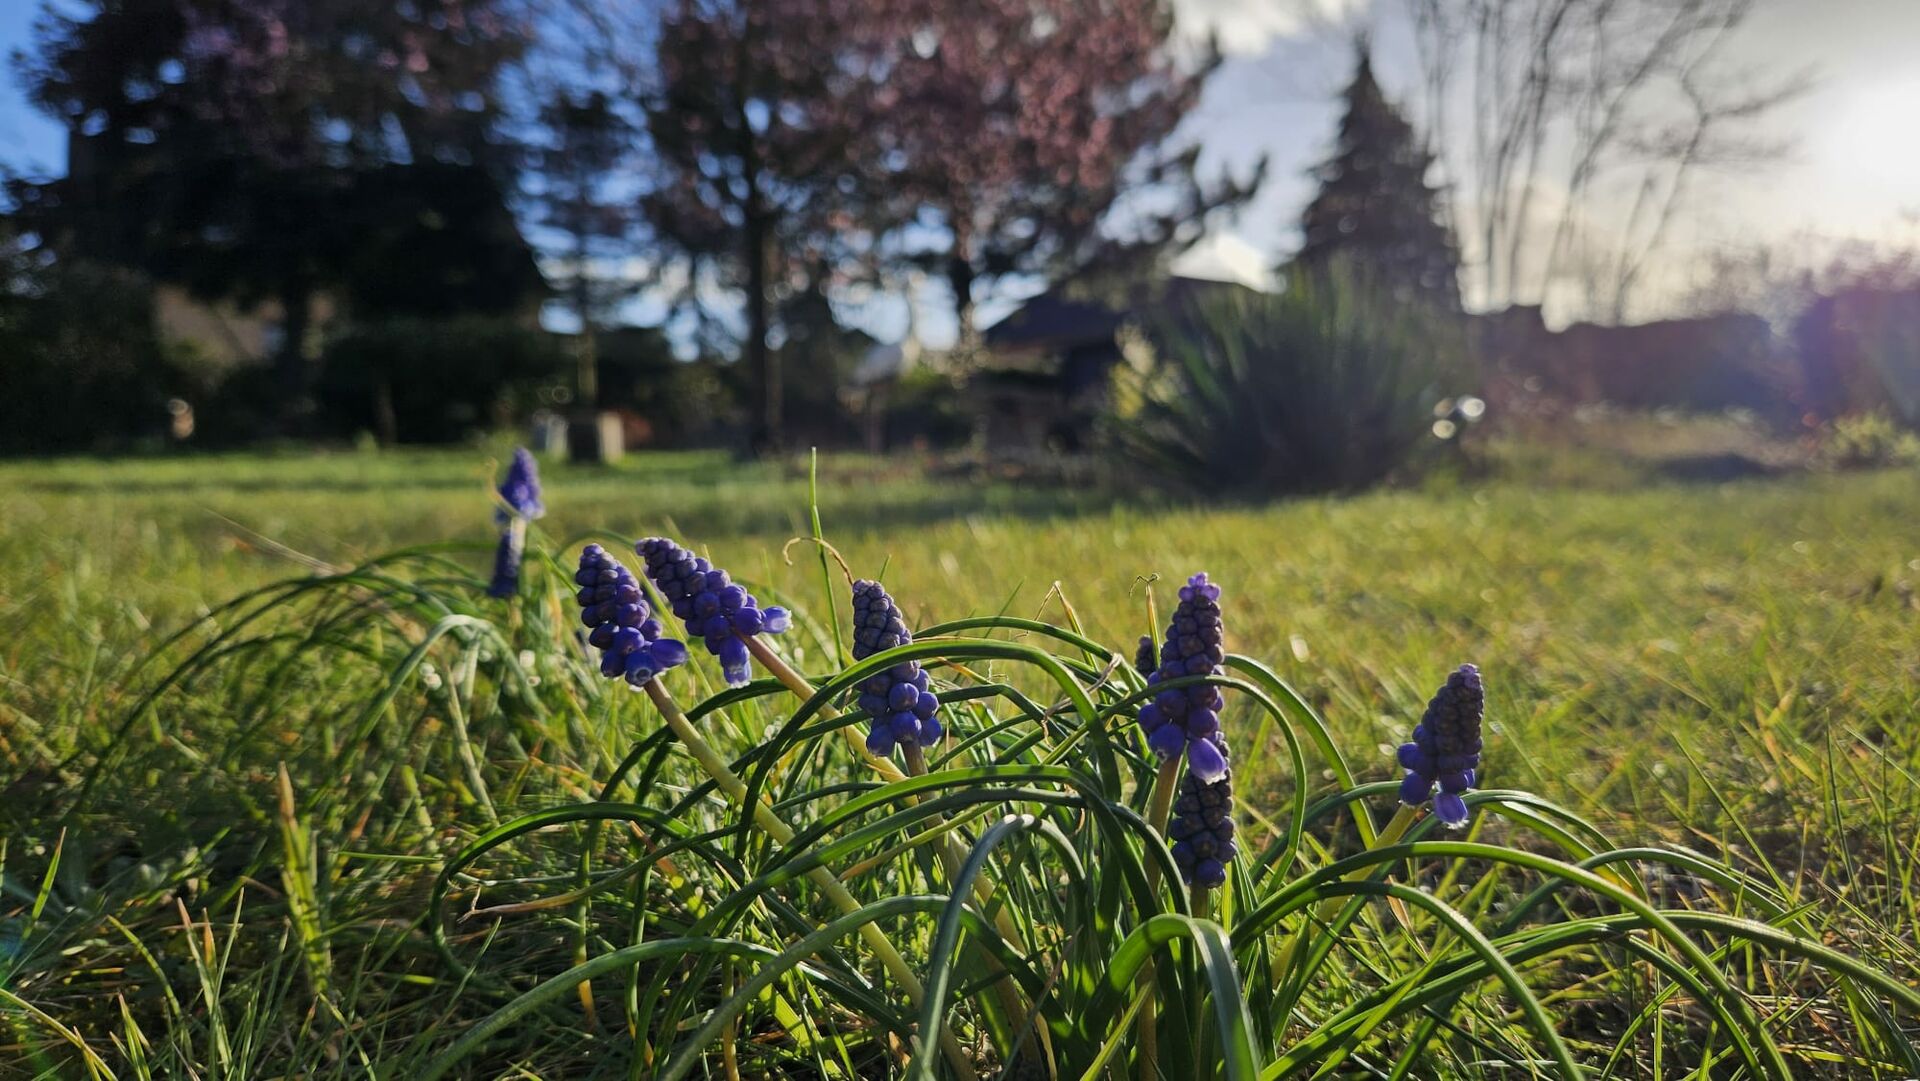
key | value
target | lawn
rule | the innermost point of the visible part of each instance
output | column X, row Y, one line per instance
column 1729, row 668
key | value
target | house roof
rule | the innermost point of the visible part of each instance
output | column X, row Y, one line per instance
column 1061, row 318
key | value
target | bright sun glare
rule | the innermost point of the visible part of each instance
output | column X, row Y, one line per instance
column 1873, row 140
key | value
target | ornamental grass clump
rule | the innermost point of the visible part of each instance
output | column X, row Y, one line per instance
column 1187, row 719
column 715, row 609
column 1445, row 751
column 623, row 628
column 520, row 498
column 901, row 709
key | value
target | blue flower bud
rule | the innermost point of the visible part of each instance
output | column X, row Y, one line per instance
column 714, row 608
column 506, row 564
column 1167, row 741
column 1186, row 720
column 1445, row 751
column 900, row 709
column 1205, row 762
column 625, row 632
column 1143, row 660
column 520, row 489
column 1202, row 829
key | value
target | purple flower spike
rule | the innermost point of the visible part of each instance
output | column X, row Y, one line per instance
column 1187, row 719
column 623, row 628
column 521, row 487
column 1143, row 658
column 1445, row 751
column 506, row 563
column 521, row 492
column 715, row 610
column 1202, row 829
column 900, row 708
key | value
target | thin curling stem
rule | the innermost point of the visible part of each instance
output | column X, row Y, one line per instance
column 771, row 824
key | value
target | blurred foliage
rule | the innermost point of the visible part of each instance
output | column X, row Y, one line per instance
column 1857, row 347
column 283, row 151
column 81, row 366
column 429, row 381
column 684, row 402
column 1324, row 387
column 926, row 407
column 1869, row 441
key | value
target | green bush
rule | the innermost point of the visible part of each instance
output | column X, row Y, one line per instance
column 80, row 363
column 1869, row 441
column 1323, row 387
column 435, row 380
column 684, row 402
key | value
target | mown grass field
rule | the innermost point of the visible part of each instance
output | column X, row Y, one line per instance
column 1730, row 668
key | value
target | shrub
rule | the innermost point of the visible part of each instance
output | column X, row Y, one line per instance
column 81, row 367
column 435, row 380
column 1323, row 387
column 1869, row 441
column 684, row 402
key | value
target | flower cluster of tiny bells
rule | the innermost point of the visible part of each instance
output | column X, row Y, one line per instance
column 1181, row 718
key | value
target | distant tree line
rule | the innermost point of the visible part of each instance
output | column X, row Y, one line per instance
column 381, row 160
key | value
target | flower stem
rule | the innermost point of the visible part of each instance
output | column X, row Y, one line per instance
column 1165, row 783
column 1148, row 1025
column 772, row 825
column 798, row 684
column 950, row 854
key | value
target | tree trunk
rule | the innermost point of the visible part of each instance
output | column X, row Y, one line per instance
column 386, row 423
column 290, row 361
column 586, row 372
column 960, row 277
column 763, row 364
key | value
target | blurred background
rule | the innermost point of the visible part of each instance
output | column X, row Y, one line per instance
column 1262, row 246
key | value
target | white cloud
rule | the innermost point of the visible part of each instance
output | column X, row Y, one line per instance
column 1223, row 255
column 1247, row 27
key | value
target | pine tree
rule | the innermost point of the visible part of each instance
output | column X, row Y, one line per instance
column 1375, row 211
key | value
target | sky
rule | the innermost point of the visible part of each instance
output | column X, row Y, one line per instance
column 1853, row 172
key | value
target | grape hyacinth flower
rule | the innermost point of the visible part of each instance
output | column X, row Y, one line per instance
column 1143, row 658
column 521, row 488
column 1446, row 747
column 521, row 493
column 1188, row 718
column 624, row 630
column 506, row 562
column 897, row 700
column 722, row 614
column 1202, row 830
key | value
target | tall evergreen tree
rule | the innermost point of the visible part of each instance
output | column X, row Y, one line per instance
column 1375, row 211
column 260, row 149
